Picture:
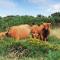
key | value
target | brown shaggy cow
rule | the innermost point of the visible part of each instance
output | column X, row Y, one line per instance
column 19, row 32
column 45, row 31
column 41, row 32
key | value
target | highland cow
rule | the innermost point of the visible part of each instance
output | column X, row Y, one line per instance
column 19, row 32
column 41, row 32
column 46, row 31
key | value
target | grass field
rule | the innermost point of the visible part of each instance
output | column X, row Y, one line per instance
column 56, row 32
column 31, row 49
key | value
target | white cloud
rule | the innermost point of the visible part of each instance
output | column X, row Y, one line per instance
column 48, row 7
column 53, row 8
column 8, row 7
column 7, row 4
column 45, row 7
column 56, row 7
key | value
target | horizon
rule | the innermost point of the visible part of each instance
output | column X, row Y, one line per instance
column 29, row 7
column 30, row 15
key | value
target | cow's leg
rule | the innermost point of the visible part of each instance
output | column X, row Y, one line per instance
column 46, row 38
column 41, row 37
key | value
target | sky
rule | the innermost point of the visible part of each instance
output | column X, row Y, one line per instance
column 29, row 7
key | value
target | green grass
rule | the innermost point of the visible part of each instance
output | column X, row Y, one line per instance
column 30, row 49
column 54, row 40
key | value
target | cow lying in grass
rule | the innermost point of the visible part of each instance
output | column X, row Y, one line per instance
column 19, row 32
column 41, row 32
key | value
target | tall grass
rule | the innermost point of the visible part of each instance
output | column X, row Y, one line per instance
column 32, row 49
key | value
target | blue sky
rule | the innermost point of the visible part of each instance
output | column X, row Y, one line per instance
column 29, row 7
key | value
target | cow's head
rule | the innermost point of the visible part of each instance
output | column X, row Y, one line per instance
column 46, row 25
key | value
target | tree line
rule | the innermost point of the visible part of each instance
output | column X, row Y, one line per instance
column 9, row 21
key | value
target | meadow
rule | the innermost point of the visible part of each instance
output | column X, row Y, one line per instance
column 31, row 49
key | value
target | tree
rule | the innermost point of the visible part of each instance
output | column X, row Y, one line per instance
column 56, row 17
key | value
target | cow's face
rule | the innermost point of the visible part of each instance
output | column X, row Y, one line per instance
column 35, row 35
column 46, row 25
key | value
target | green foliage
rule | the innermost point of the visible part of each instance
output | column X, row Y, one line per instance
column 55, row 18
column 31, row 48
column 8, row 21
column 54, row 40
